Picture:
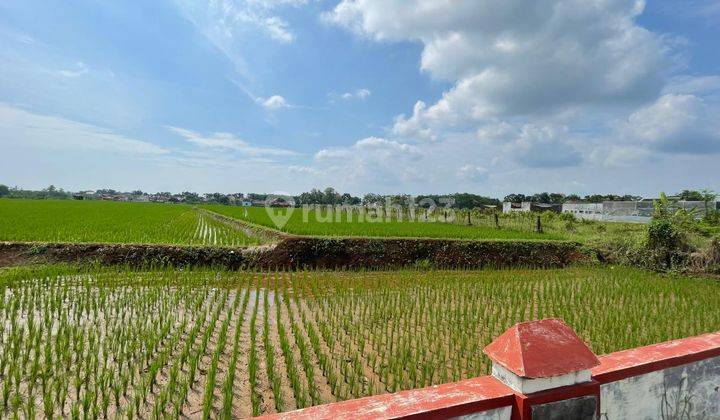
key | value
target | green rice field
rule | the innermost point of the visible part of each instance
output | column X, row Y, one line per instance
column 344, row 223
column 113, row 222
column 116, row 343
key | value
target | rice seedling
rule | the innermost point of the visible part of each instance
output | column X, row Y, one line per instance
column 114, row 222
column 118, row 343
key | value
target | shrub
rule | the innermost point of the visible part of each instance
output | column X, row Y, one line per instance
column 663, row 234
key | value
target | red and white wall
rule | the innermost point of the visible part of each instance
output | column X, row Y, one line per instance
column 541, row 369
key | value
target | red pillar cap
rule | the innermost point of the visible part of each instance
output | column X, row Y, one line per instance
column 541, row 349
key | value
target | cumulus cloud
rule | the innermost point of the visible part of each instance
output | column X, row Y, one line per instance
column 544, row 147
column 520, row 70
column 19, row 127
column 228, row 142
column 513, row 57
column 675, row 124
column 371, row 161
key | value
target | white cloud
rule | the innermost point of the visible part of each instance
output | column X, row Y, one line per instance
column 675, row 124
column 693, row 84
column 274, row 102
column 414, row 127
column 19, row 127
column 225, row 23
column 513, row 58
column 79, row 70
column 362, row 93
column 472, row 173
column 371, row 161
column 544, row 147
column 304, row 170
column 356, row 94
column 620, row 156
column 228, row 142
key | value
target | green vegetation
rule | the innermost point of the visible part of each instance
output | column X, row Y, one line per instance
column 675, row 240
column 121, row 343
column 105, row 221
column 370, row 222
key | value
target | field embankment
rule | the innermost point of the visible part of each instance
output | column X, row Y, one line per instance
column 307, row 252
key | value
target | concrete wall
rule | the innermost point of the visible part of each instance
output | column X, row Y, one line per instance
column 590, row 211
column 627, row 211
column 512, row 207
column 674, row 380
column 687, row 391
column 678, row 379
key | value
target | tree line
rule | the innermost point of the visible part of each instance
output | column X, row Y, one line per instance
column 330, row 196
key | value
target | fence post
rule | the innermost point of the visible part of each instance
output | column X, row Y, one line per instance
column 497, row 221
column 548, row 367
column 538, row 226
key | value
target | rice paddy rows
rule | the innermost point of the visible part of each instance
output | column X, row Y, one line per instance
column 111, row 222
column 376, row 223
column 205, row 344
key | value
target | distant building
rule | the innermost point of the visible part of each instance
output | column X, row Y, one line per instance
column 628, row 211
column 509, row 207
column 526, row 206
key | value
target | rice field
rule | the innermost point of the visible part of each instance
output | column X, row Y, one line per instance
column 208, row 344
column 113, row 222
column 343, row 223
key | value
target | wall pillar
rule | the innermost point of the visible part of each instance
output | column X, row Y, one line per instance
column 548, row 367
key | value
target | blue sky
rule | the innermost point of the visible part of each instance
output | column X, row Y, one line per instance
column 380, row 96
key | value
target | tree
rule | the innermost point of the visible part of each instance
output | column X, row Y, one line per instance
column 691, row 195
column 4, row 190
column 707, row 197
column 371, row 198
column 516, row 198
column 541, row 198
column 218, row 198
column 573, row 197
column 331, row 197
column 190, row 197
column 350, row 200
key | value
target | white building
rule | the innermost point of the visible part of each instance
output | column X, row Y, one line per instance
column 628, row 211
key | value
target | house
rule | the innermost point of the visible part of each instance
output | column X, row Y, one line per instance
column 509, row 207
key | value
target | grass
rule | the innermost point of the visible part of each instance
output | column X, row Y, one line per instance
column 90, row 342
column 112, row 222
column 343, row 223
